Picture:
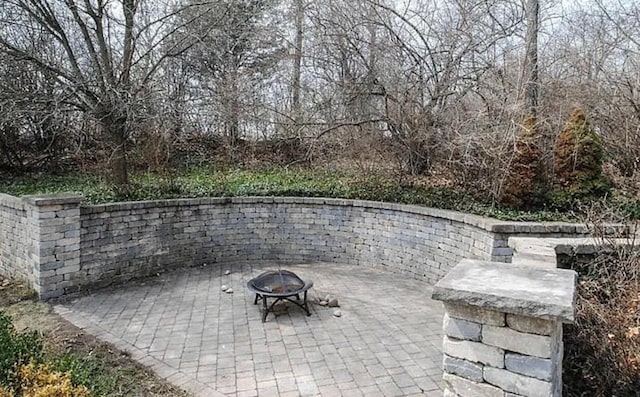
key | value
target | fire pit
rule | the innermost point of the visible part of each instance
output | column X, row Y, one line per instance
column 282, row 285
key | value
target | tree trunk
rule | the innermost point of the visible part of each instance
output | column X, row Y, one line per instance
column 117, row 129
column 233, row 110
column 297, row 62
column 531, row 79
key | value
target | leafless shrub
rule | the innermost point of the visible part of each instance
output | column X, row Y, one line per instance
column 602, row 348
column 154, row 151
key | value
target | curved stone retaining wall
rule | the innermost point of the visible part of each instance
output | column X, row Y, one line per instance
column 124, row 240
column 113, row 243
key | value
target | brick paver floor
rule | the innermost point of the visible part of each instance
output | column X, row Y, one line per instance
column 386, row 343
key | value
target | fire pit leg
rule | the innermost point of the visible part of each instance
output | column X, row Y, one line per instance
column 265, row 310
column 305, row 304
column 255, row 301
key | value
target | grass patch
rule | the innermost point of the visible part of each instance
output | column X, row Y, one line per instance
column 99, row 375
column 209, row 182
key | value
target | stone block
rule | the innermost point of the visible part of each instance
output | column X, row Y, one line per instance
column 519, row 342
column 474, row 314
column 72, row 261
column 463, row 368
column 502, row 251
column 50, row 294
column 51, row 203
column 44, row 267
column 535, row 367
column 466, row 388
column 68, row 270
column 50, row 280
column 518, row 384
column 54, row 222
column 503, row 227
column 461, row 329
column 63, row 256
column 74, row 212
column 74, row 233
column 529, row 291
column 51, row 237
column 51, row 272
column 474, row 352
column 531, row 325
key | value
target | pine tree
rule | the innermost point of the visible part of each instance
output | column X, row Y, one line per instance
column 522, row 184
column 578, row 158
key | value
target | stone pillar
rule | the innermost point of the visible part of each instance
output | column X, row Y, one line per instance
column 54, row 246
column 503, row 329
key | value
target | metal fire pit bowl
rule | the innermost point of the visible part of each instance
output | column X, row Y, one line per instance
column 281, row 285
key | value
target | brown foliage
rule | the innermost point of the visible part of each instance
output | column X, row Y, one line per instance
column 523, row 178
column 41, row 381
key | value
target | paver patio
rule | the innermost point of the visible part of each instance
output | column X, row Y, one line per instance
column 387, row 342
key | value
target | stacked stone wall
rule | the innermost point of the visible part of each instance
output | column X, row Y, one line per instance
column 127, row 240
column 55, row 243
column 502, row 328
column 62, row 246
column 124, row 241
column 15, row 240
column 491, row 353
column 40, row 241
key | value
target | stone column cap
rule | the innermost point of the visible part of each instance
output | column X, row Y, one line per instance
column 524, row 290
column 53, row 199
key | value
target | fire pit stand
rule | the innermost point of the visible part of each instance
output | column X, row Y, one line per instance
column 282, row 285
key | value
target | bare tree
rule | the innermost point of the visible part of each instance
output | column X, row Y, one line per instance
column 234, row 48
column 531, row 79
column 619, row 112
column 297, row 60
column 35, row 125
column 102, row 54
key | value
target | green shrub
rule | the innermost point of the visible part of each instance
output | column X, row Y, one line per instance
column 628, row 207
column 16, row 349
column 91, row 373
column 25, row 370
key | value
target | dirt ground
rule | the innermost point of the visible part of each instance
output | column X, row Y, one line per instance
column 62, row 337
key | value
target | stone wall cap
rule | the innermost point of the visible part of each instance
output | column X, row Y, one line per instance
column 481, row 222
column 535, row 227
column 529, row 291
column 53, row 199
column 568, row 245
column 10, row 201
